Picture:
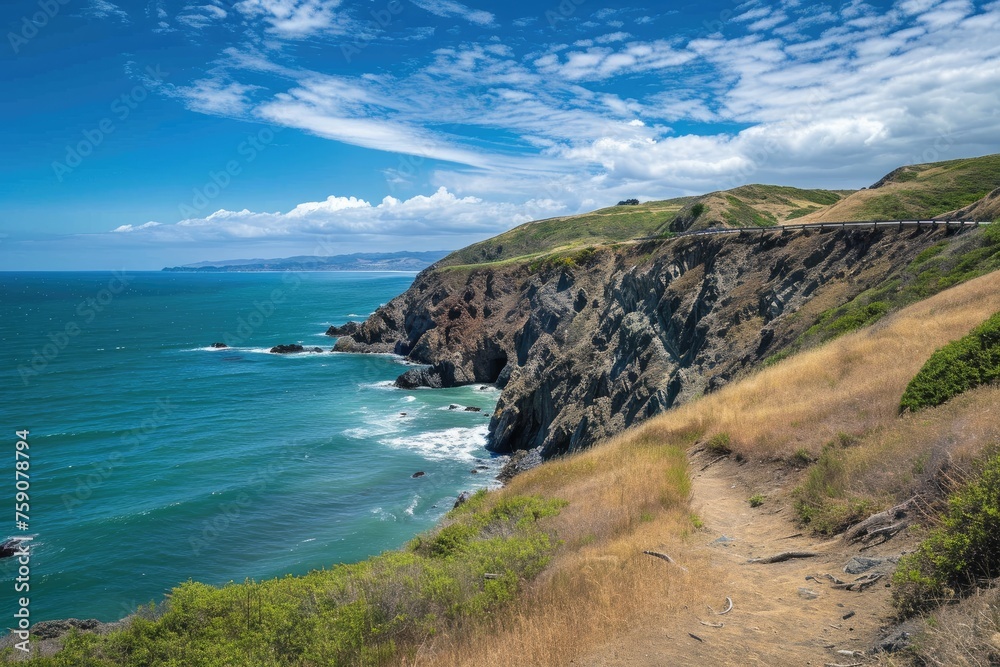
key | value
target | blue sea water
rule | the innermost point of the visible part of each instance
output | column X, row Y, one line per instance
column 156, row 459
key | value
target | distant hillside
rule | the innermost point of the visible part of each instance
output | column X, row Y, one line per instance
column 752, row 206
column 394, row 261
column 746, row 206
column 925, row 191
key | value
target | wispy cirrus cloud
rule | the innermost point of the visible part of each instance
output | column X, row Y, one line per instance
column 450, row 8
column 104, row 10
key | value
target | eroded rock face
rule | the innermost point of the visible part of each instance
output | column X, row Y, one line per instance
column 583, row 352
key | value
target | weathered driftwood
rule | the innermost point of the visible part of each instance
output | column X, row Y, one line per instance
column 886, row 534
column 694, row 636
column 859, row 584
column 712, row 463
column 713, row 625
column 871, row 527
column 661, row 556
column 729, row 607
column 786, row 555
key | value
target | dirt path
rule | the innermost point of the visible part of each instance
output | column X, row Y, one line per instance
column 779, row 617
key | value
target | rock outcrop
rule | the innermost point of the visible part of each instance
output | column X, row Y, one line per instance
column 345, row 330
column 293, row 348
column 584, row 349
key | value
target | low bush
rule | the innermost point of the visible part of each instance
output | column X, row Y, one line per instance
column 964, row 549
column 957, row 367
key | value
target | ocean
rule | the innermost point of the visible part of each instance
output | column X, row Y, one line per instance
column 155, row 458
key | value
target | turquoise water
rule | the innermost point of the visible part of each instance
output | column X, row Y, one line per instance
column 156, row 459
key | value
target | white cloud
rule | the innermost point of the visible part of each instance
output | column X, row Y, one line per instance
column 613, row 37
column 295, row 18
column 604, row 62
column 449, row 8
column 215, row 96
column 103, row 9
column 135, row 228
column 441, row 213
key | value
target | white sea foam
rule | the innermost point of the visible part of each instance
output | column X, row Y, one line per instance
column 412, row 506
column 408, row 399
column 452, row 444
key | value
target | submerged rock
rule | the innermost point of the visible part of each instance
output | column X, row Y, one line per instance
column 420, row 473
column 472, row 408
column 219, row 346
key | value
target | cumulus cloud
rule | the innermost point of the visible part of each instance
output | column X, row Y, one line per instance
column 440, row 214
column 295, row 18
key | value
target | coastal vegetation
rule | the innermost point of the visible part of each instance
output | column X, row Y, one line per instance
column 962, row 552
column 957, row 367
column 939, row 267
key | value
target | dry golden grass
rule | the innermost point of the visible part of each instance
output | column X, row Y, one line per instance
column 630, row 493
column 626, row 496
column 851, row 385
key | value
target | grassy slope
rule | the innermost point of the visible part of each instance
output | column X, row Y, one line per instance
column 746, row 206
column 918, row 191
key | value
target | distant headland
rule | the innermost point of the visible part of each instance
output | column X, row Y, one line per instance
column 359, row 261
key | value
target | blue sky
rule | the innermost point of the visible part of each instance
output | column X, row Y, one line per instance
column 142, row 134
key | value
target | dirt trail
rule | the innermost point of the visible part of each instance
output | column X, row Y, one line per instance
column 779, row 617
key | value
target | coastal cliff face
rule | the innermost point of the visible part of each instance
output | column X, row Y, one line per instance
column 586, row 345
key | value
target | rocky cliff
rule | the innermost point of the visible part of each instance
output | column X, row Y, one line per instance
column 585, row 345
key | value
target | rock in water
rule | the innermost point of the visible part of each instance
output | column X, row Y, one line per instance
column 418, row 474
column 422, row 377
column 294, row 348
column 472, row 408
column 346, row 330
column 219, row 346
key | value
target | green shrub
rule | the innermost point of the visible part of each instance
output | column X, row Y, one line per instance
column 718, row 444
column 957, row 367
column 756, row 500
column 823, row 502
column 376, row 612
column 936, row 268
column 964, row 549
